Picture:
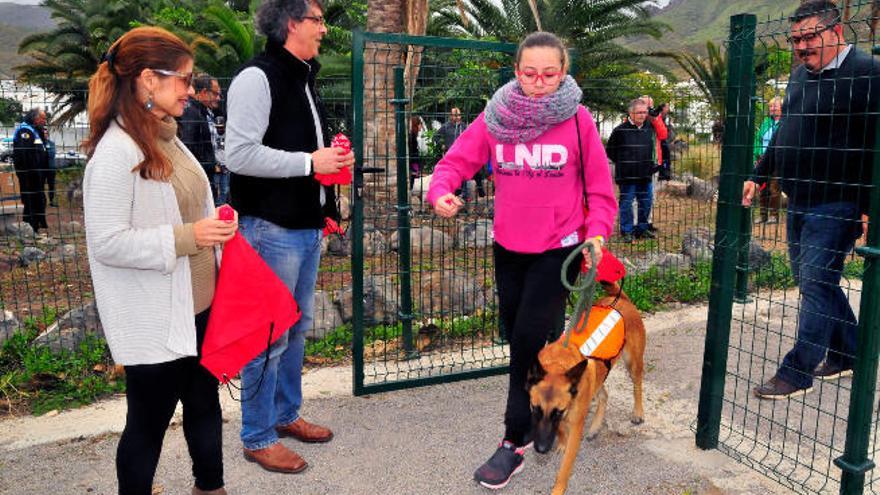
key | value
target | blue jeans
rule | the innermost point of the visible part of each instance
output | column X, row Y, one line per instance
column 819, row 239
column 642, row 193
column 294, row 256
column 221, row 187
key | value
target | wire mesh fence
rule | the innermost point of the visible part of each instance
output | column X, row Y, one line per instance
column 792, row 283
column 429, row 308
column 427, row 311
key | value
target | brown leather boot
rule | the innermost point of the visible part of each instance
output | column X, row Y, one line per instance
column 219, row 491
column 305, row 432
column 277, row 458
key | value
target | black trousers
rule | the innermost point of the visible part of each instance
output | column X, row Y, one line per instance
column 152, row 392
column 30, row 184
column 532, row 307
column 49, row 180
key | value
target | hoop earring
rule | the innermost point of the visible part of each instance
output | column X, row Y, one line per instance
column 149, row 104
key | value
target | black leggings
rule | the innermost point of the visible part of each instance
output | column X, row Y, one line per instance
column 532, row 307
column 152, row 394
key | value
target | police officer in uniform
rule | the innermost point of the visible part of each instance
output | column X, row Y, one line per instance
column 30, row 159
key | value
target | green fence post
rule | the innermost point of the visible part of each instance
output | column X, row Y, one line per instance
column 357, row 212
column 745, row 221
column 404, row 255
column 855, row 462
column 737, row 136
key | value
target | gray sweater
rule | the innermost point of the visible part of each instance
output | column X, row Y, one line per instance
column 142, row 288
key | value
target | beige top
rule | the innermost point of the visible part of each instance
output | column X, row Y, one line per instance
column 191, row 188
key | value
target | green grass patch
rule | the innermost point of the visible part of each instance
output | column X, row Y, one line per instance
column 653, row 289
column 40, row 380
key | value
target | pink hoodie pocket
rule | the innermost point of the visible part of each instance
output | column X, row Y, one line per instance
column 522, row 228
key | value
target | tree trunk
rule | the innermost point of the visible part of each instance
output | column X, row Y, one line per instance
column 383, row 16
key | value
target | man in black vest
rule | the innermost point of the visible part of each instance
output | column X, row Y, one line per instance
column 822, row 154
column 276, row 141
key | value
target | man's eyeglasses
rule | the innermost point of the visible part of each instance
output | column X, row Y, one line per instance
column 532, row 77
column 317, row 18
column 187, row 78
column 809, row 37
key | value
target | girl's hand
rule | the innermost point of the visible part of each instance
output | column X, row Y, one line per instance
column 596, row 242
column 447, row 206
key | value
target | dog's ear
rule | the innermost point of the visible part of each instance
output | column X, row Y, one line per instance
column 536, row 374
column 575, row 373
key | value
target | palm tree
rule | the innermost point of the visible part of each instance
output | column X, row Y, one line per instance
column 587, row 27
column 65, row 58
column 709, row 74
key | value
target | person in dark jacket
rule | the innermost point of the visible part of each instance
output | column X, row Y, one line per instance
column 631, row 148
column 30, row 160
column 415, row 161
column 822, row 153
column 194, row 126
column 48, row 175
column 276, row 141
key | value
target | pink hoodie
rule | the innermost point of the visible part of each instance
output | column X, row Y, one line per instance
column 538, row 187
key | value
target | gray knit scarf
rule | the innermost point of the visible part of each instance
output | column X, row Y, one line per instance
column 513, row 117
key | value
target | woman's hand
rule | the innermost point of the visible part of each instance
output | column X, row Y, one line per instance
column 212, row 231
column 447, row 206
column 596, row 242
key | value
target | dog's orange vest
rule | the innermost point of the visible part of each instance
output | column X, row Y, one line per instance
column 602, row 335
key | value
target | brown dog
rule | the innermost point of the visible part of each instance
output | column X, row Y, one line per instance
column 562, row 385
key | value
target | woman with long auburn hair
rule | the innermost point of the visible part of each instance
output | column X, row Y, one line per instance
column 153, row 238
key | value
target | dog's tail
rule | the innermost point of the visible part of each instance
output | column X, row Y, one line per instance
column 612, row 289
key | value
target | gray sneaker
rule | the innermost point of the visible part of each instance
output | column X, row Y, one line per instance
column 776, row 388
column 504, row 463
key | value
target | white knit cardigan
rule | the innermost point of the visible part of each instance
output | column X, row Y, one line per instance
column 142, row 288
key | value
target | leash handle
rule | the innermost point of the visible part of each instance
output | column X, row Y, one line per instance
column 591, row 275
column 586, row 289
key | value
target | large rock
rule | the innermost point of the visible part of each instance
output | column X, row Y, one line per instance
column 449, row 293
column 702, row 189
column 65, row 252
column 338, row 245
column 674, row 188
column 327, row 317
column 477, row 233
column 758, row 256
column 662, row 261
column 425, row 239
column 21, row 230
column 381, row 294
column 71, row 227
column 698, row 243
column 31, row 255
column 374, row 243
column 71, row 329
column 9, row 324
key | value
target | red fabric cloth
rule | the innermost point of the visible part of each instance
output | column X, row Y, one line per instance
column 343, row 177
column 662, row 133
column 249, row 301
column 610, row 269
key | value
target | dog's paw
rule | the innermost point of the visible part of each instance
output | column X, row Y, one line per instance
column 636, row 420
column 592, row 435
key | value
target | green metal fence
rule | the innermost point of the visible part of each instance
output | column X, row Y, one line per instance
column 824, row 441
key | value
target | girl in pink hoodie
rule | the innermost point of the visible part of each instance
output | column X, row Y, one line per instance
column 547, row 157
